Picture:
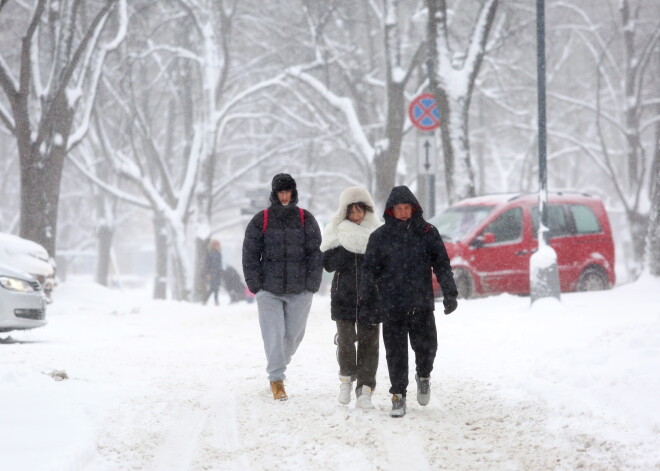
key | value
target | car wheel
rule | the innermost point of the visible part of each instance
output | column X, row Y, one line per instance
column 593, row 279
column 463, row 284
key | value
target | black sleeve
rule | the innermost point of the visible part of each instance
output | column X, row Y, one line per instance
column 440, row 263
column 253, row 249
column 313, row 253
column 335, row 259
column 371, row 271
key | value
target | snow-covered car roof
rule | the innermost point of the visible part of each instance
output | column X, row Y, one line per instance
column 497, row 199
column 24, row 255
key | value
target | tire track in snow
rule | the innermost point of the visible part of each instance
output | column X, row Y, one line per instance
column 203, row 435
column 221, row 447
column 178, row 448
column 405, row 451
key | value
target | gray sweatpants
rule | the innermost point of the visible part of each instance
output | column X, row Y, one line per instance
column 282, row 319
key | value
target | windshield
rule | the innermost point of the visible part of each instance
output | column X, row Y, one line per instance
column 454, row 223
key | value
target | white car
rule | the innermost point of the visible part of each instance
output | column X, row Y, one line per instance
column 28, row 256
column 22, row 301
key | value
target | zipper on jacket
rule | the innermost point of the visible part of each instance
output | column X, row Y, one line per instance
column 357, row 290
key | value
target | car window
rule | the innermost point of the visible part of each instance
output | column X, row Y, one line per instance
column 558, row 222
column 585, row 220
column 507, row 227
column 455, row 222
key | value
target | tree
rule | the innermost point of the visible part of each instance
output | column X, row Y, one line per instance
column 9, row 193
column 617, row 107
column 355, row 90
column 653, row 234
column 49, row 112
column 172, row 105
column 452, row 79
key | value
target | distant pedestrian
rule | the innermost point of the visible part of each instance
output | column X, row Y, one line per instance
column 397, row 290
column 233, row 284
column 212, row 271
column 344, row 243
column 282, row 266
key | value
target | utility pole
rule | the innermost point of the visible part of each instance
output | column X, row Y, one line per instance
column 544, row 274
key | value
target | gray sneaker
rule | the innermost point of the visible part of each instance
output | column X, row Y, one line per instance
column 398, row 406
column 423, row 390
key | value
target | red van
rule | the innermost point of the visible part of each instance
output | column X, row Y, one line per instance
column 490, row 239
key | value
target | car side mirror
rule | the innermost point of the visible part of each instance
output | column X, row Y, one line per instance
column 489, row 238
column 483, row 239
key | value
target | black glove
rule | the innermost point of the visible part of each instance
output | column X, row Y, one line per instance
column 450, row 304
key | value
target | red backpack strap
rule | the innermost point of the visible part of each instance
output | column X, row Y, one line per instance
column 265, row 223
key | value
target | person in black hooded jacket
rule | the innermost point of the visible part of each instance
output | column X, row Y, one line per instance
column 282, row 265
column 397, row 290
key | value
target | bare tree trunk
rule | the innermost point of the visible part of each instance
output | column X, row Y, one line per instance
column 631, row 116
column 204, row 203
column 455, row 146
column 639, row 225
column 180, row 273
column 452, row 77
column 388, row 158
column 199, row 285
column 105, row 235
column 653, row 234
column 41, row 175
column 160, row 235
column 442, row 102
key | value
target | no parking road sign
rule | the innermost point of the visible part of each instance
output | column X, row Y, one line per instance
column 423, row 112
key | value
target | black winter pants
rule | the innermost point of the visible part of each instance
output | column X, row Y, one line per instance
column 420, row 326
column 363, row 363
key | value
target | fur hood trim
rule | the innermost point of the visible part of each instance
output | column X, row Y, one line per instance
column 342, row 232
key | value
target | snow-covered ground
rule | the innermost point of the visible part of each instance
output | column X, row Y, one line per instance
column 176, row 386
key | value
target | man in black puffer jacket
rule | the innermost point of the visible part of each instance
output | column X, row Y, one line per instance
column 397, row 290
column 282, row 266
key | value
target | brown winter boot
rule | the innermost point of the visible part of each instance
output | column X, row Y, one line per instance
column 277, row 388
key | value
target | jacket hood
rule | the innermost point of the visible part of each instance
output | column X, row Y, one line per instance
column 402, row 195
column 283, row 181
column 355, row 194
column 341, row 231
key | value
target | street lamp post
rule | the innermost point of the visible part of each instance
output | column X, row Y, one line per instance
column 544, row 275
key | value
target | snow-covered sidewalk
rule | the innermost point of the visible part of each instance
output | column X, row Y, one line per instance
column 167, row 385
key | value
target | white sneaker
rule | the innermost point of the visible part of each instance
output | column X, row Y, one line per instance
column 345, row 389
column 364, row 399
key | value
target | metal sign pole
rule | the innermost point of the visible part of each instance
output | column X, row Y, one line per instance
column 425, row 116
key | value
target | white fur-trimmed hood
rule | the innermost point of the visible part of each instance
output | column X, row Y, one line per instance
column 342, row 232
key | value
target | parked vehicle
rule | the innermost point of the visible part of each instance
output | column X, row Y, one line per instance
column 22, row 301
column 491, row 238
column 28, row 256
